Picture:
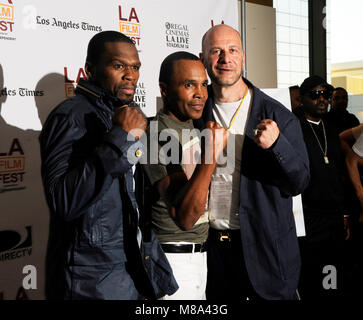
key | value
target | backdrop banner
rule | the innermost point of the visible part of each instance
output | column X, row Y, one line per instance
column 43, row 50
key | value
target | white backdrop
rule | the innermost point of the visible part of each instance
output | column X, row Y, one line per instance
column 42, row 53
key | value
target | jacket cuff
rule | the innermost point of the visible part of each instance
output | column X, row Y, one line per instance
column 126, row 143
column 120, row 151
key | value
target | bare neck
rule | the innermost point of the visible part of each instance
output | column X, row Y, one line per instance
column 231, row 93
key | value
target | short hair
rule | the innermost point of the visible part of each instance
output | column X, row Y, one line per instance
column 340, row 88
column 166, row 68
column 96, row 45
column 295, row 87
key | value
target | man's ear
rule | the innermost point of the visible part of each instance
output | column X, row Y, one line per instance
column 201, row 57
column 163, row 89
column 89, row 68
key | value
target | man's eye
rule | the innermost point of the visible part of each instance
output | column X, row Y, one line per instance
column 216, row 51
column 205, row 84
column 188, row 85
column 119, row 66
column 136, row 68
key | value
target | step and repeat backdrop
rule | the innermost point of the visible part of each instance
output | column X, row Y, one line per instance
column 43, row 47
column 42, row 54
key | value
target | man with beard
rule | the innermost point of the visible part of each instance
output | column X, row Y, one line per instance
column 252, row 246
column 89, row 150
column 324, row 201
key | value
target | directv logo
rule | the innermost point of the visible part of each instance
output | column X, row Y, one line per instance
column 14, row 244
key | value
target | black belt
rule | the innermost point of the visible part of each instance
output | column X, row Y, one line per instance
column 228, row 235
column 184, row 248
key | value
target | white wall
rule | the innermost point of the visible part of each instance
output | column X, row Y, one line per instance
column 261, row 45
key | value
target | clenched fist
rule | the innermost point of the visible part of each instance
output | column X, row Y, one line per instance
column 218, row 139
column 131, row 120
column 266, row 133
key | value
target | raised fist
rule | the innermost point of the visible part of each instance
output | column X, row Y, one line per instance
column 217, row 139
column 266, row 133
column 131, row 120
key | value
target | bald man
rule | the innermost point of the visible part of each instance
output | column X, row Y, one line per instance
column 252, row 246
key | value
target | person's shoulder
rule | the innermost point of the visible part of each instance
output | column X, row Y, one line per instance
column 73, row 108
column 357, row 131
column 354, row 119
column 273, row 107
column 72, row 104
column 155, row 122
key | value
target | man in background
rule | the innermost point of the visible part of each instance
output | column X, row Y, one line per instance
column 338, row 113
column 295, row 97
column 324, row 200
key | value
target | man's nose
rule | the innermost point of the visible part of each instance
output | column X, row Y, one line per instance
column 200, row 92
column 224, row 57
column 129, row 74
column 322, row 99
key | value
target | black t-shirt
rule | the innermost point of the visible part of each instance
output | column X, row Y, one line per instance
column 325, row 194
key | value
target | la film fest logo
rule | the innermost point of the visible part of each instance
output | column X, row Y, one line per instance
column 12, row 167
column 70, row 84
column 129, row 24
column 177, row 35
column 15, row 244
column 7, row 19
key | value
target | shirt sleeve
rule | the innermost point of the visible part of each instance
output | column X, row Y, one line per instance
column 291, row 154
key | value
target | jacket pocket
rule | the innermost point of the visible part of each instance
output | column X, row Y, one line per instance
column 90, row 232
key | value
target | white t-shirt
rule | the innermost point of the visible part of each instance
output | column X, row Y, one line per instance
column 224, row 191
column 358, row 135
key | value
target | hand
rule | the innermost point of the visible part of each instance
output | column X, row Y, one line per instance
column 218, row 139
column 130, row 120
column 266, row 133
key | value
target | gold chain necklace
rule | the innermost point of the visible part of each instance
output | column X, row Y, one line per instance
column 317, row 139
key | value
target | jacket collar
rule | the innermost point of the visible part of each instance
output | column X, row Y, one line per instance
column 98, row 95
